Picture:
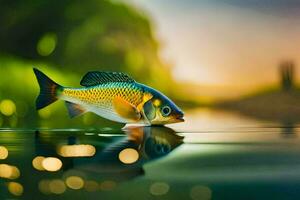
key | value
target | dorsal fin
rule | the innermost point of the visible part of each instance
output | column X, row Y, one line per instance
column 96, row 78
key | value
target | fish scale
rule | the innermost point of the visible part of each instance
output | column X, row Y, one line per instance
column 102, row 96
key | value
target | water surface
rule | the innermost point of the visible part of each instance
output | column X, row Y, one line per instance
column 213, row 155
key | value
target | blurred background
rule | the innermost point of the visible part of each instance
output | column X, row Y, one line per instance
column 231, row 55
column 231, row 65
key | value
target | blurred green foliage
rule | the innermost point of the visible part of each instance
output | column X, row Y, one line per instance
column 66, row 39
column 83, row 36
column 19, row 89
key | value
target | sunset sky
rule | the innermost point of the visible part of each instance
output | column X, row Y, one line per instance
column 226, row 42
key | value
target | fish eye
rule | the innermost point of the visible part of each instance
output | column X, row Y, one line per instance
column 166, row 110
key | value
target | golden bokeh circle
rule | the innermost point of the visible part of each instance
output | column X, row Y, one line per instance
column 128, row 156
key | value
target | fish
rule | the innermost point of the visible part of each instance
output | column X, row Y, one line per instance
column 111, row 95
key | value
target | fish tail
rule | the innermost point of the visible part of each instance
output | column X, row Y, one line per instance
column 48, row 90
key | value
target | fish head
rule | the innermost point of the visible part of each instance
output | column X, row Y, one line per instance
column 161, row 110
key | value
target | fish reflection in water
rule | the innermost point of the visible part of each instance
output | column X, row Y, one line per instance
column 153, row 142
column 114, row 158
column 125, row 158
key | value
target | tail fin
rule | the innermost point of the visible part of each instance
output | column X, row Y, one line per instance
column 48, row 90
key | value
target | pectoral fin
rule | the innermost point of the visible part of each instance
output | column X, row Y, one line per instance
column 74, row 109
column 126, row 109
column 146, row 97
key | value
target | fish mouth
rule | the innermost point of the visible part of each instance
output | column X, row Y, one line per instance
column 179, row 118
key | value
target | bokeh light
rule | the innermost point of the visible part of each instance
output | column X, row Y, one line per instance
column 7, row 107
column 3, row 152
column 15, row 188
column 44, row 186
column 108, row 185
column 159, row 188
column 51, row 164
column 91, row 186
column 57, row 186
column 37, row 163
column 128, row 156
column 46, row 45
column 200, row 192
column 9, row 171
column 79, row 150
column 74, row 182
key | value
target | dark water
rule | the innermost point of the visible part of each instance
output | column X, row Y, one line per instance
column 213, row 155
